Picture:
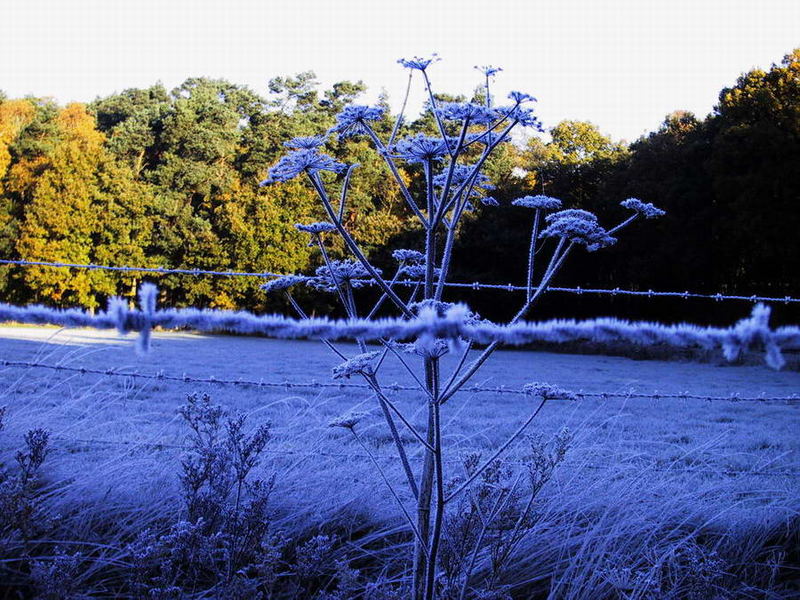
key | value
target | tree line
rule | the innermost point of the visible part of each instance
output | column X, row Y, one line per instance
column 158, row 178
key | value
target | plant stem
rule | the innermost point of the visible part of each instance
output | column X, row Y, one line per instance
column 425, row 491
column 555, row 264
column 381, row 300
column 499, row 505
column 625, row 223
column 499, row 451
column 439, row 123
column 339, row 286
column 384, row 152
column 405, row 421
column 407, row 368
column 402, row 110
column 475, row 169
column 351, row 244
column 452, row 166
column 387, row 415
column 389, row 485
column 345, row 188
column 459, row 366
column 531, row 254
column 303, row 315
column 430, row 579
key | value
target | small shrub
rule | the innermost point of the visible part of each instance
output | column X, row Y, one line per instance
column 21, row 517
column 225, row 542
column 489, row 523
column 56, row 577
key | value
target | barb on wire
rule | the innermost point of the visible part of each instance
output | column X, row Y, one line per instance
column 473, row 286
column 762, row 398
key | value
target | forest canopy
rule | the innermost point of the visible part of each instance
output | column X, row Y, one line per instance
column 169, row 178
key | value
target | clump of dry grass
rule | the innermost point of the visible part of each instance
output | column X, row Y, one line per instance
column 123, row 520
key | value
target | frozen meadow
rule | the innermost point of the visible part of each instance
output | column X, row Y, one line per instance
column 410, row 454
column 640, row 474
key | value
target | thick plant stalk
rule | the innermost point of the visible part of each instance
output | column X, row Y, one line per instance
column 438, row 517
column 421, row 555
column 424, row 557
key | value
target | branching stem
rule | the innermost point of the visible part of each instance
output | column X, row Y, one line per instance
column 497, row 453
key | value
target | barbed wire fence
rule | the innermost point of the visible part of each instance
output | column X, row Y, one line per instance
column 639, row 467
column 42, row 314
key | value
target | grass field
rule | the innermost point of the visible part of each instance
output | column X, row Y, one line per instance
column 641, row 475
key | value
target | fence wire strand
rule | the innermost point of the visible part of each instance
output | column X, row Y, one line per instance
column 473, row 286
column 392, row 387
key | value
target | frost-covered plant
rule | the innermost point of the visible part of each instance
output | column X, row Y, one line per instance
column 451, row 163
column 224, row 540
column 55, row 578
column 687, row 571
column 494, row 517
column 21, row 516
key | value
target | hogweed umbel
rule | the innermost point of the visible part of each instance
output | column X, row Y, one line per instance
column 451, row 167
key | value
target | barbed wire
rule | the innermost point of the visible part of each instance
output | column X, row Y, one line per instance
column 86, row 442
column 455, row 325
column 38, row 316
column 392, row 387
column 473, row 286
column 154, row 270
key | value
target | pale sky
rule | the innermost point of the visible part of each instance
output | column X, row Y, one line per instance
column 622, row 64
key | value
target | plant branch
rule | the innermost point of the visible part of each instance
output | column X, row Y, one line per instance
column 351, row 244
column 345, row 189
column 489, row 350
column 303, row 315
column 402, row 110
column 438, row 517
column 402, row 418
column 625, row 223
column 497, row 453
column 439, row 123
column 531, row 254
column 401, row 452
column 389, row 485
column 384, row 152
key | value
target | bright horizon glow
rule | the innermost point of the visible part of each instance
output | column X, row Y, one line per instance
column 622, row 64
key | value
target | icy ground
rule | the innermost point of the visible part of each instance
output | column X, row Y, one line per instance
column 116, row 441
